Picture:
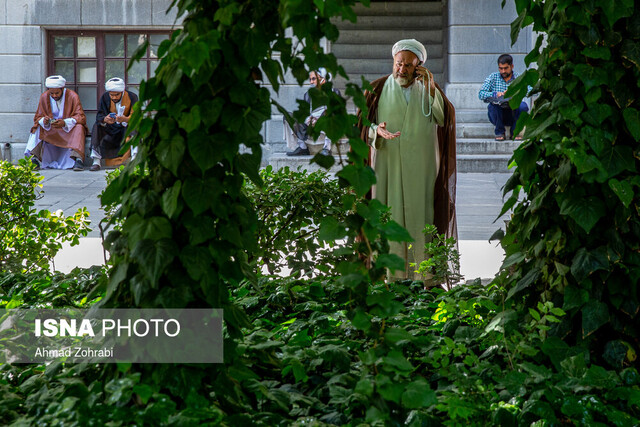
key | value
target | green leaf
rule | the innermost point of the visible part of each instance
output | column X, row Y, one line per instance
column 617, row 159
column 396, row 335
column 364, row 387
column 396, row 233
column 200, row 194
column 154, row 228
column 388, row 389
column 556, row 349
column 585, row 211
column 154, row 257
column 632, row 120
column 170, row 204
column 615, row 353
column 396, row 359
column 331, row 230
column 594, row 315
column 590, row 76
column 197, row 261
column 623, row 190
column 391, row 261
column 533, row 313
column 520, row 22
column 225, row 15
column 361, row 320
column 170, row 152
column 574, row 297
column 324, row 161
column 195, row 53
column 360, row 178
column 144, row 391
column 585, row 263
column 418, row 395
column 189, row 121
column 599, row 377
column 578, row 15
column 210, row 110
column 614, row 10
column 529, row 279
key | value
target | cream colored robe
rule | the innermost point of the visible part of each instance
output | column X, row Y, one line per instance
column 406, row 167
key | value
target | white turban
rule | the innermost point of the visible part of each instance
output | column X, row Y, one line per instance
column 412, row 45
column 55, row 82
column 115, row 84
column 322, row 72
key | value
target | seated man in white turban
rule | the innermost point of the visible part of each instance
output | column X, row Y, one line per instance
column 413, row 150
column 297, row 137
column 112, row 119
column 59, row 128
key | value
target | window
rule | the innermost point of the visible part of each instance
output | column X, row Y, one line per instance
column 87, row 59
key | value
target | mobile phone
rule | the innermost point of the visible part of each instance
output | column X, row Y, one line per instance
column 112, row 115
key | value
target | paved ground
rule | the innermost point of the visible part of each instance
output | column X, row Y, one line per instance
column 479, row 201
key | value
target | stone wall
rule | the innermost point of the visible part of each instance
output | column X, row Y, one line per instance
column 23, row 26
column 478, row 32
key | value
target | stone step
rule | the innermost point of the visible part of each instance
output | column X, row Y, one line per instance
column 341, row 83
column 399, row 8
column 367, row 37
column 463, row 146
column 475, row 130
column 418, row 21
column 483, row 163
column 383, row 66
column 304, row 162
column 466, row 163
column 484, row 146
column 377, row 51
column 472, row 116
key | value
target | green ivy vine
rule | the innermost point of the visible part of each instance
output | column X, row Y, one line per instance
column 574, row 238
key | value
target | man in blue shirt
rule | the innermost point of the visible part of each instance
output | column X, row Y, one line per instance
column 492, row 92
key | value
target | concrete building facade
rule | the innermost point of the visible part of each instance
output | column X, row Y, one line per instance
column 463, row 38
column 27, row 31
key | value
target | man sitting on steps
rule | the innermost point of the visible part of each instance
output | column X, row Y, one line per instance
column 492, row 92
column 297, row 136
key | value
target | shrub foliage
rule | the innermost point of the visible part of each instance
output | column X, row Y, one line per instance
column 30, row 238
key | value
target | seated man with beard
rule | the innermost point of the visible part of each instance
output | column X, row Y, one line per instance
column 112, row 119
column 59, row 128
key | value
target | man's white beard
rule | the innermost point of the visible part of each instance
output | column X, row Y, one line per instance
column 402, row 81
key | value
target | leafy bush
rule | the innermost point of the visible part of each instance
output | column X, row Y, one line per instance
column 290, row 206
column 419, row 358
column 442, row 267
column 29, row 239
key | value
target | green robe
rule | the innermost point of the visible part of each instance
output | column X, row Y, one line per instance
column 406, row 167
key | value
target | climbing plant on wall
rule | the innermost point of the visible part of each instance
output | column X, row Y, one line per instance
column 573, row 239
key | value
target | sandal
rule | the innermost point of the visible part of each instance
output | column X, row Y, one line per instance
column 518, row 138
column 499, row 137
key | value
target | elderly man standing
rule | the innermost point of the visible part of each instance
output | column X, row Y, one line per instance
column 412, row 135
column 59, row 128
column 112, row 119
